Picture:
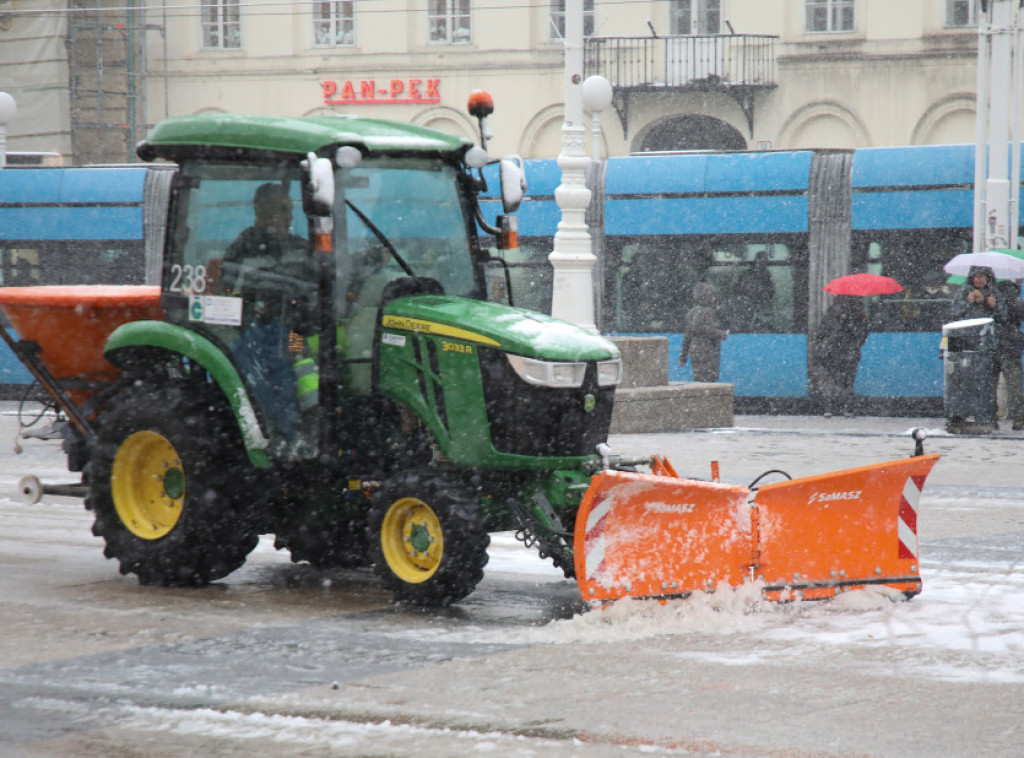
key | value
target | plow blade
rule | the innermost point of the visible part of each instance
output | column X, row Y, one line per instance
column 843, row 530
column 656, row 536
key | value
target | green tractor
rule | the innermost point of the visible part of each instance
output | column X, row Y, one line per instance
column 329, row 368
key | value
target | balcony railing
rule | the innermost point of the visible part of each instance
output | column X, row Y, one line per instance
column 737, row 64
column 683, row 61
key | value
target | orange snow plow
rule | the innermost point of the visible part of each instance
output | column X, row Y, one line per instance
column 659, row 535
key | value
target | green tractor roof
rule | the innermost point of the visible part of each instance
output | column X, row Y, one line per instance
column 176, row 137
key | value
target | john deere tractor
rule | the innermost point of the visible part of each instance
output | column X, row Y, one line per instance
column 338, row 377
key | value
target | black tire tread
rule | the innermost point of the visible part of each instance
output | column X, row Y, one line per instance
column 465, row 538
column 218, row 526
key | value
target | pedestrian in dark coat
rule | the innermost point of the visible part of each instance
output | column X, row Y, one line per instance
column 703, row 334
column 1011, row 347
column 978, row 297
column 837, row 343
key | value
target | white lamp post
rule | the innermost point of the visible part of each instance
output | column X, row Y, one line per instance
column 572, row 290
column 7, row 110
column 597, row 96
column 999, row 106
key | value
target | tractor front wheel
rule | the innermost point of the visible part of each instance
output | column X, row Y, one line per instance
column 166, row 487
column 427, row 539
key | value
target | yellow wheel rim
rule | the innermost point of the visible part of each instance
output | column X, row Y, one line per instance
column 411, row 539
column 147, row 484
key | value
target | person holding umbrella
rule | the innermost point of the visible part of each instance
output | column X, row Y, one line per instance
column 978, row 298
column 1011, row 347
column 837, row 343
column 841, row 335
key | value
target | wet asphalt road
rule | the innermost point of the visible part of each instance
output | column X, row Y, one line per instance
column 281, row 659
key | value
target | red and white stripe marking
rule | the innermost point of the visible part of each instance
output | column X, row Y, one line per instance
column 594, row 543
column 907, row 524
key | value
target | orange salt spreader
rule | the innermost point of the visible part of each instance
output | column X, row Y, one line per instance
column 658, row 535
column 63, row 330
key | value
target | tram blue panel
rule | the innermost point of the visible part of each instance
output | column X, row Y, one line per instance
column 759, row 172
column 103, row 185
column 536, row 218
column 704, row 172
column 82, row 185
column 765, row 365
column 757, row 365
column 935, row 209
column 929, row 165
column 900, row 364
column 30, row 186
column 491, row 208
column 542, row 178
column 12, row 371
column 713, row 215
column 81, row 223
column 654, row 175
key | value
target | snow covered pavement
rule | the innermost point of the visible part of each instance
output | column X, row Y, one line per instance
column 282, row 660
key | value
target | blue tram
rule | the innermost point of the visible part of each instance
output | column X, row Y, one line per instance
column 662, row 222
column 96, row 225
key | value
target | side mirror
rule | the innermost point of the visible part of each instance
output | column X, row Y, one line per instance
column 512, row 177
column 317, row 185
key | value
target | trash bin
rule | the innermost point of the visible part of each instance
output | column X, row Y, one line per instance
column 969, row 374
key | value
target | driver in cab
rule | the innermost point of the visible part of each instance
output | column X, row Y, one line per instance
column 267, row 245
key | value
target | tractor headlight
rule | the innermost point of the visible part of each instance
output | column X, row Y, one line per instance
column 609, row 373
column 548, row 373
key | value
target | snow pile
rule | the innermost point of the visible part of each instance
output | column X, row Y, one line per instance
column 207, row 727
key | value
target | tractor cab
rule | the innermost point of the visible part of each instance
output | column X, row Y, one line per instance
column 286, row 244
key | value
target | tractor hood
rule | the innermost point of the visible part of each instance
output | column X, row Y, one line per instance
column 512, row 330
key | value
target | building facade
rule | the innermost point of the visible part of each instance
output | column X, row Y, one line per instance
column 687, row 74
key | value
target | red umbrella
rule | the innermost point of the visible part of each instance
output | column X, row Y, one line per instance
column 863, row 285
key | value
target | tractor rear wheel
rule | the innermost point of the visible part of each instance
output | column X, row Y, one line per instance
column 166, row 487
column 427, row 538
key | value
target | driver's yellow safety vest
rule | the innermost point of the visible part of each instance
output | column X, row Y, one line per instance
column 307, row 378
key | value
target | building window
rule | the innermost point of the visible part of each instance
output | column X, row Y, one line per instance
column 961, row 12
column 222, row 24
column 333, row 25
column 829, row 15
column 558, row 19
column 449, row 22
column 695, row 17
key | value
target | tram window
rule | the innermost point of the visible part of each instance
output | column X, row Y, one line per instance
column 915, row 259
column 72, row 262
column 110, row 263
column 651, row 280
column 755, row 286
column 20, row 266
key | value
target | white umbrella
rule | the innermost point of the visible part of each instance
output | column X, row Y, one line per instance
column 1005, row 264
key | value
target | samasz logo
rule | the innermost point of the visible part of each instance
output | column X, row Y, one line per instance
column 829, row 497
column 669, row 507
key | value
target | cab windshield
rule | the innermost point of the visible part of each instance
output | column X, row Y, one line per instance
column 415, row 205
